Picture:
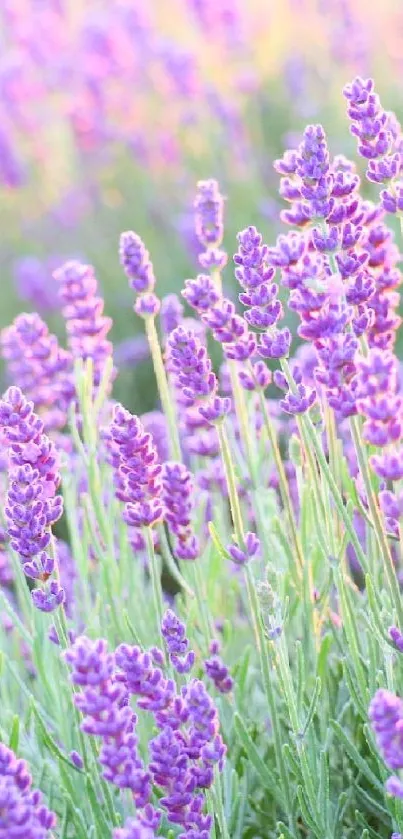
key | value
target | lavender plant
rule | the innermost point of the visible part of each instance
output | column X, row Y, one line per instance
column 201, row 635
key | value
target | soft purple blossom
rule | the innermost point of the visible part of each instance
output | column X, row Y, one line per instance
column 300, row 401
column 178, row 501
column 275, row 343
column 386, row 716
column 174, row 634
column 32, row 506
column 171, row 313
column 201, row 293
column 217, row 671
column 136, row 264
column 209, row 210
column 87, row 326
column 396, row 637
column 39, row 366
column 102, row 701
column 22, row 812
column 136, row 467
column 376, row 135
column 191, row 366
column 241, row 554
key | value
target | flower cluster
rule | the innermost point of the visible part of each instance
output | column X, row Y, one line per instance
column 209, row 212
column 379, row 140
column 255, row 274
column 136, row 468
column 386, row 716
column 135, row 260
column 381, row 405
column 40, row 367
column 87, row 326
column 32, row 506
column 189, row 746
column 193, row 375
column 174, row 634
column 103, row 702
column 22, row 812
column 178, row 501
column 241, row 554
column 217, row 671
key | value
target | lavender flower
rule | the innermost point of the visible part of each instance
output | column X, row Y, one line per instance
column 136, row 468
column 177, row 498
column 209, row 210
column 255, row 275
column 310, row 187
column 300, row 401
column 147, row 305
column 183, row 760
column 396, row 637
column 217, row 671
column 242, row 554
column 174, row 634
column 170, row 314
column 87, row 326
column 257, row 378
column 103, row 703
column 201, row 293
column 143, row 677
column 32, row 506
column 374, row 130
column 136, row 263
column 394, row 786
column 21, row 809
column 191, row 366
column 381, row 406
column 37, row 365
column 254, row 272
column 386, row 716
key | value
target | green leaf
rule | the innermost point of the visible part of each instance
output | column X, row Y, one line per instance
column 355, row 756
column 371, row 804
column 14, row 734
column 102, row 824
column 217, row 541
column 324, row 788
column 292, row 760
column 313, row 705
column 325, row 647
column 49, row 742
column 306, row 814
column 267, row 778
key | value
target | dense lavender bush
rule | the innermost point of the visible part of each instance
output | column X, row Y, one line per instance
column 201, row 607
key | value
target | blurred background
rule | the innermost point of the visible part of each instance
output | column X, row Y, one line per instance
column 111, row 111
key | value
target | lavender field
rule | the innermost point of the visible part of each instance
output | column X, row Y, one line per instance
column 201, row 420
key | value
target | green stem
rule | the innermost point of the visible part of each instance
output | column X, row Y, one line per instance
column 283, row 483
column 376, row 518
column 256, row 619
column 261, row 645
column 171, row 564
column 167, row 401
column 284, row 667
column 241, row 413
column 155, row 578
column 231, row 484
column 310, row 434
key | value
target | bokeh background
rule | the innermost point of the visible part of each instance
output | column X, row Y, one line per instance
column 111, row 111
